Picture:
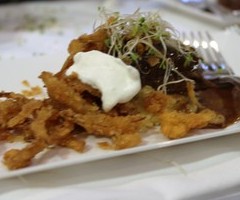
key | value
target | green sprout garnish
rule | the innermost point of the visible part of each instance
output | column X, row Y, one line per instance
column 128, row 34
column 188, row 58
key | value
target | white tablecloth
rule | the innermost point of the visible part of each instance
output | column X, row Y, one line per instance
column 201, row 170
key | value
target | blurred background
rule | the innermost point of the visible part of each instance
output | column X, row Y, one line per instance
column 47, row 27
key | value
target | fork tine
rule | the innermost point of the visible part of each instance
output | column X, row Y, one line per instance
column 209, row 51
column 213, row 61
column 219, row 56
column 201, row 44
column 217, row 53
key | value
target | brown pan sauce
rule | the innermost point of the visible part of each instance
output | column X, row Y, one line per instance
column 223, row 96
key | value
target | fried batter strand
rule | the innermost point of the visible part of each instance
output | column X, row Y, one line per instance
column 154, row 101
column 27, row 110
column 178, row 124
column 126, row 140
column 104, row 125
column 10, row 107
column 73, row 143
column 15, row 159
column 75, row 83
column 61, row 92
column 38, row 126
column 94, row 41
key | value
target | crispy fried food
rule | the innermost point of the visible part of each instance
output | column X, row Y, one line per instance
column 31, row 91
column 89, row 42
column 178, row 124
column 105, row 125
column 15, row 159
column 38, row 126
column 10, row 107
column 73, row 143
column 75, row 83
column 59, row 91
column 124, row 141
column 94, row 41
column 177, row 115
column 27, row 110
column 155, row 101
column 74, row 108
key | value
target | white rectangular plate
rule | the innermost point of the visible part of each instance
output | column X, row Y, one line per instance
column 13, row 72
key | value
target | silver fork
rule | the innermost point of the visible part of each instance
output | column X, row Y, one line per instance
column 213, row 62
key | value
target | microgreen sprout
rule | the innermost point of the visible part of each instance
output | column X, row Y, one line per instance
column 188, row 58
column 127, row 32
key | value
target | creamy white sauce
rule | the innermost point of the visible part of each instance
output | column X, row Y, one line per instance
column 117, row 82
